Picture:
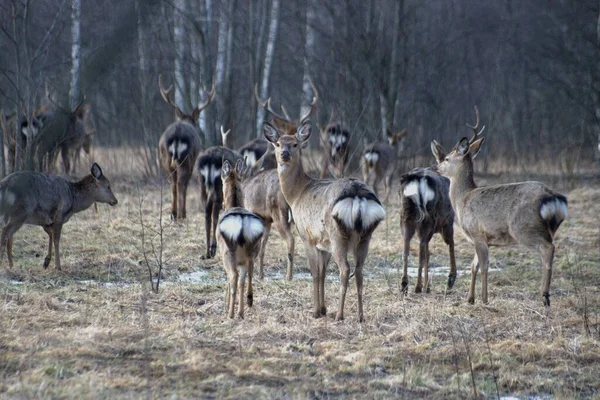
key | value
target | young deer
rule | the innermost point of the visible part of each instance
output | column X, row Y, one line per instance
column 240, row 232
column 425, row 208
column 335, row 140
column 527, row 213
column 179, row 147
column 332, row 217
column 380, row 161
column 209, row 167
column 48, row 201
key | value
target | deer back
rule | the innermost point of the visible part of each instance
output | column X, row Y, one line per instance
column 209, row 166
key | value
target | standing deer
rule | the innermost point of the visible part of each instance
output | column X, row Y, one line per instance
column 179, row 147
column 48, row 201
column 335, row 140
column 332, row 217
column 240, row 232
column 209, row 166
column 425, row 208
column 380, row 161
column 528, row 213
column 252, row 151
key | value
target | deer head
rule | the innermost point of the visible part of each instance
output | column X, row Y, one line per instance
column 287, row 147
column 181, row 116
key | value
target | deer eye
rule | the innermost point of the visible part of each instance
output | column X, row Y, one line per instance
column 276, row 144
column 295, row 144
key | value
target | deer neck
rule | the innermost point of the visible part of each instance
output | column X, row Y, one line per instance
column 461, row 183
column 233, row 196
column 293, row 180
column 81, row 196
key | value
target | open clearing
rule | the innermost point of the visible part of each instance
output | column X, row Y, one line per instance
column 95, row 329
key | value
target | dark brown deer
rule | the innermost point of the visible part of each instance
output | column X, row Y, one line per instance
column 425, row 209
column 48, row 201
column 528, row 213
column 380, row 161
column 179, row 147
column 332, row 217
column 240, row 232
column 335, row 140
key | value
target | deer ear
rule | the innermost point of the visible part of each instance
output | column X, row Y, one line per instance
column 239, row 167
column 225, row 169
column 270, row 133
column 303, row 132
column 438, row 151
column 475, row 147
column 462, row 147
column 96, row 171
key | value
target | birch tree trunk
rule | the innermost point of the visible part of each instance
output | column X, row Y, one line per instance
column 228, row 84
column 269, row 55
column 309, row 56
column 179, row 39
column 206, row 117
column 221, row 61
column 74, row 95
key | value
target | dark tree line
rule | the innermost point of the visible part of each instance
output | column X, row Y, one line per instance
column 533, row 67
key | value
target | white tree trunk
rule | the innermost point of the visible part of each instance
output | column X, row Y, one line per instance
column 74, row 94
column 179, row 39
column 269, row 55
column 205, row 122
column 221, row 60
column 309, row 56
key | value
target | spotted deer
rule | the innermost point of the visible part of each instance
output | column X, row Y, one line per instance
column 527, row 213
column 331, row 217
column 335, row 140
column 425, row 209
column 380, row 161
column 179, row 147
column 48, row 201
column 240, row 232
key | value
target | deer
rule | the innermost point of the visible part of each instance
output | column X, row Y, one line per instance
column 255, row 149
column 380, row 161
column 335, row 140
column 425, row 208
column 179, row 147
column 332, row 217
column 209, row 165
column 48, row 201
column 525, row 213
column 240, row 232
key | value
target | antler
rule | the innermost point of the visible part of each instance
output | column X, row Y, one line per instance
column 476, row 126
column 166, row 95
column 267, row 106
column 209, row 98
column 312, row 105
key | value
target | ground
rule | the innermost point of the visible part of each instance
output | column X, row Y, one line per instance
column 95, row 329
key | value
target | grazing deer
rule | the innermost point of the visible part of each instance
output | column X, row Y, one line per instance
column 179, row 147
column 528, row 213
column 335, row 140
column 380, row 161
column 332, row 217
column 425, row 208
column 240, row 232
column 48, row 201
column 209, row 166
column 263, row 196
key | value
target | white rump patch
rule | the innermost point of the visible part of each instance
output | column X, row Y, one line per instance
column 231, row 227
column 351, row 209
column 250, row 158
column 172, row 148
column 556, row 208
column 210, row 173
column 372, row 157
column 412, row 190
column 253, row 228
column 427, row 193
column 181, row 149
column 421, row 193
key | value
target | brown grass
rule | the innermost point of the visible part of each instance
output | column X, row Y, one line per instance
column 70, row 334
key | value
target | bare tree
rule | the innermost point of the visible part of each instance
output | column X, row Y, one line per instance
column 75, row 90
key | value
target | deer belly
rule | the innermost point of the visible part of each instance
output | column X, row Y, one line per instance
column 313, row 236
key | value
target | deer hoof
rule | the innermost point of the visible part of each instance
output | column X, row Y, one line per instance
column 418, row 289
column 471, row 300
column 428, row 290
column 249, row 299
column 317, row 314
column 546, row 299
column 451, row 280
column 46, row 262
column 323, row 311
column 173, row 216
column 339, row 317
column 213, row 249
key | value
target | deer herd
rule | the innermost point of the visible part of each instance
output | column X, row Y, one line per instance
column 264, row 184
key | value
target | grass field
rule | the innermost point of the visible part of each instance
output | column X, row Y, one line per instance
column 96, row 330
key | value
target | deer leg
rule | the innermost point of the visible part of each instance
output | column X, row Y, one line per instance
column 261, row 252
column 241, row 288
column 474, row 270
column 360, row 255
column 173, row 180
column 547, row 254
column 233, row 286
column 64, row 153
column 324, row 258
column 6, row 239
column 448, row 235
column 408, row 234
column 207, row 224
column 57, row 232
column 423, row 248
column 426, row 269
column 183, row 180
column 250, row 296
column 284, row 229
column 314, row 264
column 387, row 184
column 49, row 230
column 340, row 256
column 483, row 257
column 217, row 205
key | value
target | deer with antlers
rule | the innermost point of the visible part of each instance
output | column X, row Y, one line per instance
column 332, row 217
column 527, row 213
column 179, row 147
column 380, row 161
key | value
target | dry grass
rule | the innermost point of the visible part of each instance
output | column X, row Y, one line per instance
column 70, row 334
